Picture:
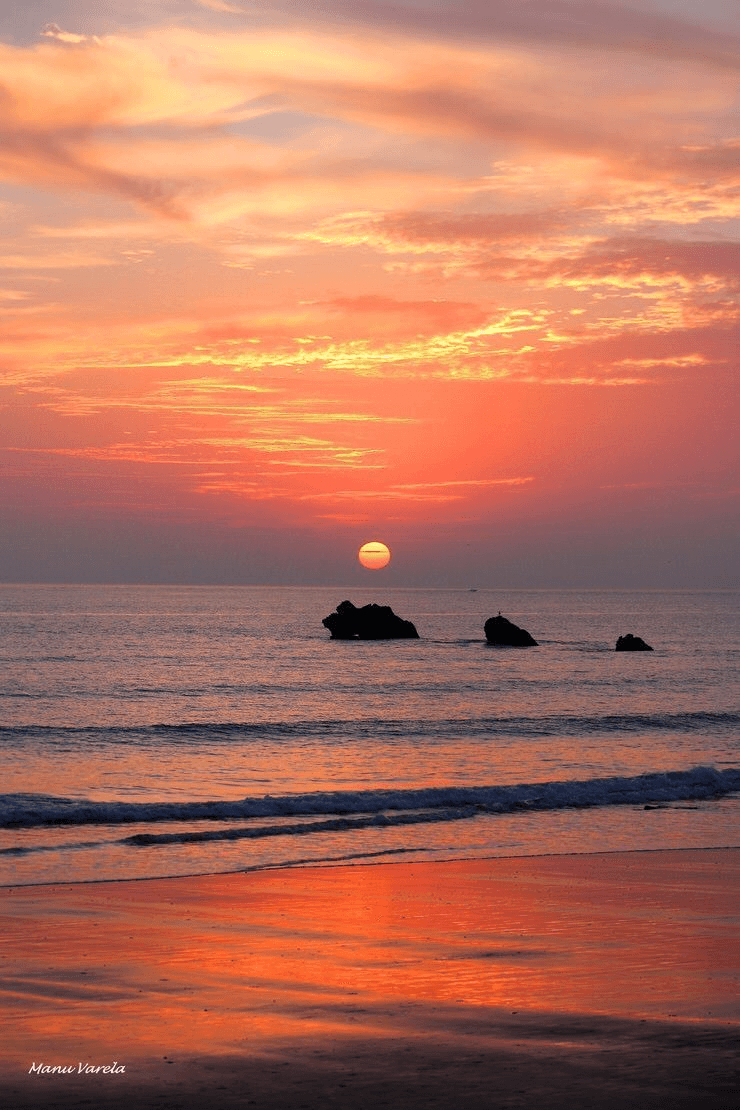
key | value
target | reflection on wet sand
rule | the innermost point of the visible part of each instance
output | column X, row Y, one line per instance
column 526, row 975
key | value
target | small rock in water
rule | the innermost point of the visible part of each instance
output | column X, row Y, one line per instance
column 503, row 633
column 631, row 643
column 370, row 622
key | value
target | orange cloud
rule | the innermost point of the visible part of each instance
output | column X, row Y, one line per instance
column 420, row 492
column 65, row 97
column 251, row 265
column 603, row 26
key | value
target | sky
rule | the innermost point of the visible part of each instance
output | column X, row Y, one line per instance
column 277, row 279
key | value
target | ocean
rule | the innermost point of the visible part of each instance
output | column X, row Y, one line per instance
column 158, row 731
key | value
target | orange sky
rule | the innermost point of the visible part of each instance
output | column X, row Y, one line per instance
column 277, row 279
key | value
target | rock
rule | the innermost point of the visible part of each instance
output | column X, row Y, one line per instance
column 503, row 633
column 370, row 622
column 631, row 643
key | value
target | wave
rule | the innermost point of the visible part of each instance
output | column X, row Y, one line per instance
column 380, row 727
column 364, row 808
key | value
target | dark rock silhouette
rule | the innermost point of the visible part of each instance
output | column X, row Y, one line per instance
column 370, row 622
column 503, row 633
column 631, row 643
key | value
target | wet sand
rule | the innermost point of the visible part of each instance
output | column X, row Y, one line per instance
column 605, row 981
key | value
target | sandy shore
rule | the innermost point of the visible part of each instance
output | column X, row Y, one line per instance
column 576, row 981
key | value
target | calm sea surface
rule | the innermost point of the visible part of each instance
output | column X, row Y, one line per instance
column 162, row 731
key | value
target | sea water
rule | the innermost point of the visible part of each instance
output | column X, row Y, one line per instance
column 152, row 731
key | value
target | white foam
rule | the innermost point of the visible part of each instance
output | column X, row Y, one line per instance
column 396, row 806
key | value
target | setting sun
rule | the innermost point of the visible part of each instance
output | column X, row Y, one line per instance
column 374, row 555
column 276, row 276
column 297, row 275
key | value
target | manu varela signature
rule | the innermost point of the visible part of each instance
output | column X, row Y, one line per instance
column 77, row 1069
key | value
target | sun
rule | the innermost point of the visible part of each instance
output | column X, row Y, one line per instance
column 374, row 555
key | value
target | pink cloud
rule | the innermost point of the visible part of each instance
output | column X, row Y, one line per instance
column 653, row 257
column 149, row 118
column 596, row 25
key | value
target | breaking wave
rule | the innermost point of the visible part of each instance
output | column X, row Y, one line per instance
column 298, row 814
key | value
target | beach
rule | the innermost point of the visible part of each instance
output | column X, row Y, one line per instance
column 581, row 980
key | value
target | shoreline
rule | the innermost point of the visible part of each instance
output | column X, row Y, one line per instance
column 339, row 861
column 605, row 978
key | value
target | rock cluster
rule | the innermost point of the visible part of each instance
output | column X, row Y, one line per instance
column 379, row 622
column 503, row 633
column 631, row 643
column 370, row 622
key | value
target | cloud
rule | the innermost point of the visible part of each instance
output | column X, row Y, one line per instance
column 158, row 120
column 478, row 482
column 151, row 118
column 53, row 31
column 651, row 266
column 444, row 491
column 636, row 264
column 434, row 232
column 70, row 260
column 469, row 227
column 432, row 315
column 220, row 6
column 627, row 259
column 580, row 23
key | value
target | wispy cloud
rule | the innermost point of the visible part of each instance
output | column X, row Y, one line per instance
column 453, row 490
column 258, row 257
column 67, row 261
column 76, row 109
column 601, row 26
